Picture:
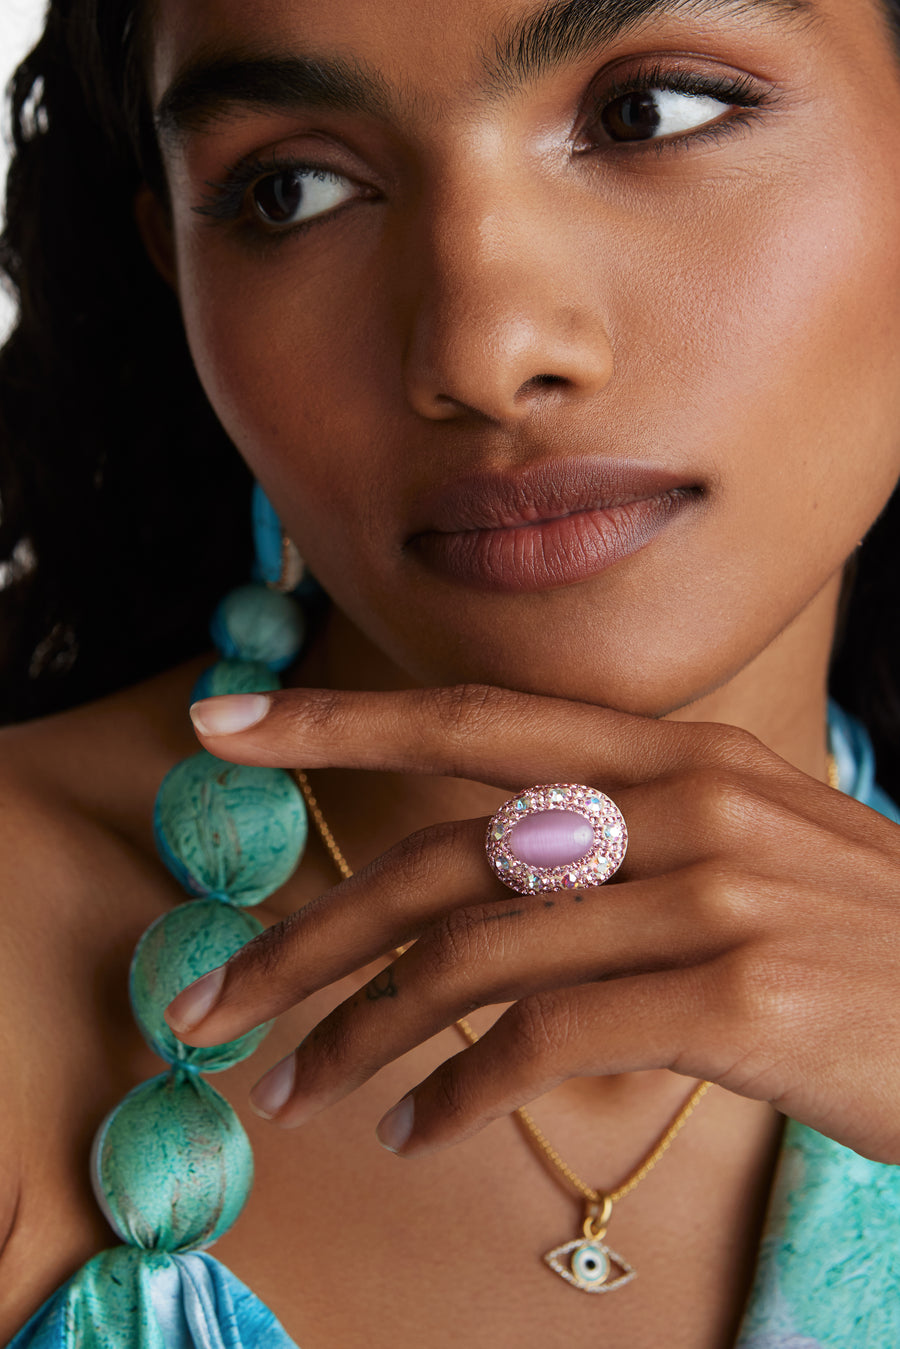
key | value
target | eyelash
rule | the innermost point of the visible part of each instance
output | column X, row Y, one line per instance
column 739, row 91
column 226, row 200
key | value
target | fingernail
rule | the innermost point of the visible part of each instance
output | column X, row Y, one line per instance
column 272, row 1091
column 396, row 1127
column 193, row 1003
column 229, row 713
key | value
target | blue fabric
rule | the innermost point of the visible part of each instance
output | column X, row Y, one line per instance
column 132, row 1299
column 852, row 749
column 829, row 1262
column 828, row 1275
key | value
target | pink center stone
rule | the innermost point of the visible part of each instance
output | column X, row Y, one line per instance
column 551, row 838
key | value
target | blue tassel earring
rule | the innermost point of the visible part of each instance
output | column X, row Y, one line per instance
column 278, row 561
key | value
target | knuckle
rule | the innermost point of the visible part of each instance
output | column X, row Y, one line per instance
column 721, row 801
column 730, row 747
column 761, row 991
column 454, row 941
column 267, row 956
column 545, row 1025
column 466, row 713
column 461, row 707
column 714, row 893
column 331, row 1040
column 318, row 711
column 452, row 1097
column 418, row 860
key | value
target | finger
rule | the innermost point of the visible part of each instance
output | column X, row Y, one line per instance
column 478, row 732
column 663, row 1020
column 383, row 906
column 481, row 957
column 391, row 902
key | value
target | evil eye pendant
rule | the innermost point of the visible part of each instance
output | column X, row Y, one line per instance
column 590, row 1265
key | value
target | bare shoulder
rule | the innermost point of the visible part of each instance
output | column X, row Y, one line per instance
column 104, row 757
column 79, row 883
column 76, row 804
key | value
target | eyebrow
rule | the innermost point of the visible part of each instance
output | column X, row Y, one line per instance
column 567, row 30
column 211, row 89
column 530, row 47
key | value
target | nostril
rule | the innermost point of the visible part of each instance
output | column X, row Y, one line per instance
column 543, row 380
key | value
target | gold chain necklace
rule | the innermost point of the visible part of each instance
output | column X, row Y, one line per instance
column 589, row 1263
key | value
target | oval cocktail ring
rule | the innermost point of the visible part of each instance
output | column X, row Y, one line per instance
column 563, row 836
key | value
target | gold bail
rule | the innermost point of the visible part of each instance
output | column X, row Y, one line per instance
column 596, row 1216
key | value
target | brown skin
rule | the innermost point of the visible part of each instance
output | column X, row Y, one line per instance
column 727, row 308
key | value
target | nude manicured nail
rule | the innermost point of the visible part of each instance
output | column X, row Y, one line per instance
column 193, row 1003
column 230, row 713
column 272, row 1091
column 396, row 1127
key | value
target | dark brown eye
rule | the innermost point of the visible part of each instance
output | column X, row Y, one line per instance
column 633, row 117
column 293, row 195
column 279, row 197
column 648, row 114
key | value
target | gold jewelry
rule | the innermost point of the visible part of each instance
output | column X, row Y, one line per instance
column 589, row 1261
column 834, row 776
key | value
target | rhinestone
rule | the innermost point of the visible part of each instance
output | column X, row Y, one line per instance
column 498, row 831
column 521, row 803
column 571, row 880
column 503, row 863
column 612, row 831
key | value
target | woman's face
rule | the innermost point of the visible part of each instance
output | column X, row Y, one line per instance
column 585, row 374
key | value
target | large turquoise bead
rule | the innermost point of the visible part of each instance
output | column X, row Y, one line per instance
column 235, row 676
column 256, row 623
column 171, row 1165
column 189, row 941
column 235, row 831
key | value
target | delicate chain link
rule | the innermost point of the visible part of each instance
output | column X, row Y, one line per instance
column 531, row 1129
column 325, row 833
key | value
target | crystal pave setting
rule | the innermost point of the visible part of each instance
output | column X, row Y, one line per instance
column 590, row 1264
column 602, row 859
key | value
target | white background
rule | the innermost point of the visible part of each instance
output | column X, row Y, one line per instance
column 20, row 26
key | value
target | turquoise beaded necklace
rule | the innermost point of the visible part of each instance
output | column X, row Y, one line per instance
column 171, row 1164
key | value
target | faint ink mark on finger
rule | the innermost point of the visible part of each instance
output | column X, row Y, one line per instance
column 382, row 986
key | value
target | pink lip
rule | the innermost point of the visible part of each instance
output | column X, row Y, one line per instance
column 547, row 526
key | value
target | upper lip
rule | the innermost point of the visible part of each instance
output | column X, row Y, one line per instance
column 541, row 492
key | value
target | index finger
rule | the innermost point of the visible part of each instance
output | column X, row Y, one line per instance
column 480, row 732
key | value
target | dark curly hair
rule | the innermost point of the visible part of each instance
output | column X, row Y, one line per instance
column 116, row 541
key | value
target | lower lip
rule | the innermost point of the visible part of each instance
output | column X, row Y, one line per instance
column 552, row 552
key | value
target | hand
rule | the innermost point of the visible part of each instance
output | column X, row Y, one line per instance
column 750, row 937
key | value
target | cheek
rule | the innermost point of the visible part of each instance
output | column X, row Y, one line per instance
column 276, row 356
column 802, row 346
column 769, row 340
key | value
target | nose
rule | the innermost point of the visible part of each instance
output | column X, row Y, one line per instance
column 502, row 312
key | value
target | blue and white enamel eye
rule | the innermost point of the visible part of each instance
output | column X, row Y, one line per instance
column 590, row 1264
column 648, row 114
column 292, row 195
